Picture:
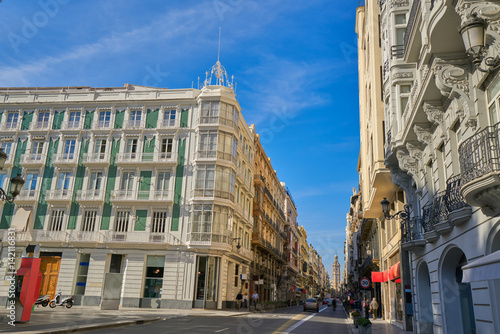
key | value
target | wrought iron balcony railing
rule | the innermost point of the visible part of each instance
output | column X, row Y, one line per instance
column 454, row 201
column 411, row 22
column 411, row 229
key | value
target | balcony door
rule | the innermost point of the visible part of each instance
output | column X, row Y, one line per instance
column 144, row 184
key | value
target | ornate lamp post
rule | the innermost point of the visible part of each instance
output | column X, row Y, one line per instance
column 16, row 183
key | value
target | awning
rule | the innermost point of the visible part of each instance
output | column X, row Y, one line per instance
column 20, row 219
column 386, row 275
column 483, row 269
column 378, row 276
column 395, row 271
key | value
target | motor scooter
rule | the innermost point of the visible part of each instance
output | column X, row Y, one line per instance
column 59, row 301
column 43, row 300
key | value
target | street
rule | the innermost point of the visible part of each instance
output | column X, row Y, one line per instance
column 289, row 320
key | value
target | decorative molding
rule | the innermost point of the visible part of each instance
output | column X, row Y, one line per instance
column 398, row 3
column 435, row 113
column 487, row 10
column 402, row 75
column 416, row 153
column 401, row 179
column 472, row 122
column 407, row 163
column 423, row 133
column 451, row 75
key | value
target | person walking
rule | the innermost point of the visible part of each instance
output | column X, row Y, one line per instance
column 239, row 298
column 334, row 304
column 255, row 299
column 374, row 308
column 245, row 300
column 366, row 308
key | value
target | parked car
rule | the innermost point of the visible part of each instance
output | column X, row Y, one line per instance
column 311, row 304
column 325, row 301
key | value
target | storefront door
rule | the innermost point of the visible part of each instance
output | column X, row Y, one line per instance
column 206, row 285
column 49, row 267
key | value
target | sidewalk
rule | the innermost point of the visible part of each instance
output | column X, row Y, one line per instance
column 63, row 320
column 379, row 326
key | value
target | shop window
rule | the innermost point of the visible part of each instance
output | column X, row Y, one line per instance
column 81, row 276
column 154, row 276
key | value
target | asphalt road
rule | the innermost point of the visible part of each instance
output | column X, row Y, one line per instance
column 290, row 320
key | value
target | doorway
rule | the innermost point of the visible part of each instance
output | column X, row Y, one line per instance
column 49, row 267
column 207, row 281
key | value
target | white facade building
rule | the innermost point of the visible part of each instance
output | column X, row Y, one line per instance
column 133, row 180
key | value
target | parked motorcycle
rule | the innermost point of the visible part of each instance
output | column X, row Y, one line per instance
column 59, row 301
column 43, row 300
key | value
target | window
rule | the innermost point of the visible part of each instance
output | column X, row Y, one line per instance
column 127, row 183
column 89, row 220
column 228, row 115
column 201, row 226
column 135, row 118
column 159, row 222
column 166, row 148
column 227, row 147
column 169, row 117
column 162, row 183
column 43, row 120
column 207, row 144
column 154, row 276
column 115, row 265
column 494, row 100
column 63, row 182
column 95, row 182
column 69, row 149
column 404, row 94
column 205, row 180
column 236, row 274
column 12, row 121
column 209, row 113
column 30, row 184
column 104, row 119
column 122, row 218
column 131, row 148
column 36, row 150
column 3, row 176
column 100, row 149
column 458, row 133
column 7, row 148
column 220, row 223
column 400, row 26
column 81, row 276
column 56, row 220
column 225, row 180
column 74, row 120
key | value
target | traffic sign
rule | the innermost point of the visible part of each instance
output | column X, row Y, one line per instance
column 364, row 283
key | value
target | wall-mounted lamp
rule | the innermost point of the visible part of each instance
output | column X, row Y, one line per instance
column 238, row 246
column 16, row 183
column 474, row 36
column 403, row 214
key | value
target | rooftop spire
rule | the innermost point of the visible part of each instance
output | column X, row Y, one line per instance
column 221, row 77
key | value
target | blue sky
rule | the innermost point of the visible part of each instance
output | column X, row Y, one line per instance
column 295, row 64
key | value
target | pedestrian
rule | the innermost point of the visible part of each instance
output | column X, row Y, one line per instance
column 255, row 299
column 245, row 300
column 374, row 308
column 239, row 298
column 334, row 304
column 366, row 308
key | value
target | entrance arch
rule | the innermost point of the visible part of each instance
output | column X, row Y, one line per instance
column 456, row 297
column 425, row 312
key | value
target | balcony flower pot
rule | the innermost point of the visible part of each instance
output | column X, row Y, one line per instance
column 364, row 325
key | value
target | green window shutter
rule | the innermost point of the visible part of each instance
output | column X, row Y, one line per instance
column 184, row 118
column 179, row 173
column 149, row 147
column 110, row 186
column 145, row 184
column 80, row 173
column 89, row 118
column 140, row 223
column 27, row 118
column 8, row 209
column 152, row 118
column 120, row 116
column 48, row 174
column 58, row 119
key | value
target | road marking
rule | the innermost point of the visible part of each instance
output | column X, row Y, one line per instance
column 294, row 326
column 221, row 330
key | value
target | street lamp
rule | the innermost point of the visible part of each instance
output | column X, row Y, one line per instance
column 474, row 36
column 238, row 246
column 403, row 214
column 16, row 183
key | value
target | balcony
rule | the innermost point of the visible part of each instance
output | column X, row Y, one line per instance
column 59, row 196
column 168, row 123
column 95, row 159
column 412, row 238
column 71, row 125
column 141, row 196
column 459, row 211
column 65, row 159
column 440, row 214
column 211, row 193
column 135, row 158
column 430, row 233
column 142, row 239
column 102, row 125
column 90, row 196
column 51, row 237
column 412, row 38
column 27, row 196
column 134, row 124
column 85, row 238
column 209, row 240
column 40, row 126
column 33, row 160
column 10, row 126
column 21, row 236
column 480, row 166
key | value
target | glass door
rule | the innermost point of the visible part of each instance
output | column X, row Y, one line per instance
column 206, row 282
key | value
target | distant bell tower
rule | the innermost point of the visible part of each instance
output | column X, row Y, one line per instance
column 336, row 276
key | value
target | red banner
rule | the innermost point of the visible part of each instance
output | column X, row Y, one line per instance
column 395, row 272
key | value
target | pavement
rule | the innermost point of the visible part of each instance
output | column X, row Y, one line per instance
column 379, row 326
column 81, row 318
